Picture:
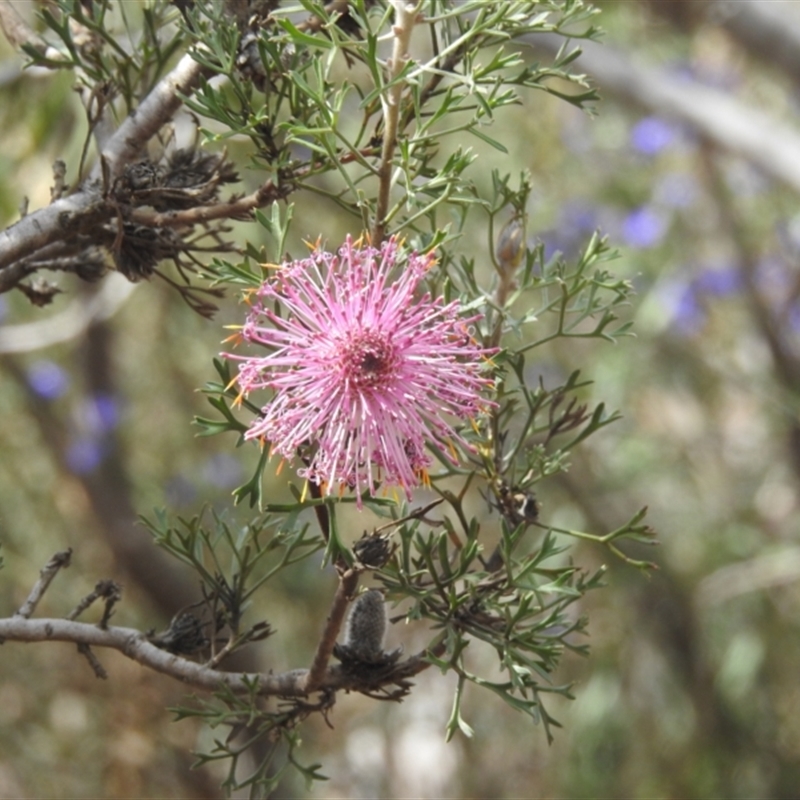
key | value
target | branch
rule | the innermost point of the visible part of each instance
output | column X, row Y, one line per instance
column 405, row 18
column 46, row 575
column 86, row 207
column 333, row 624
column 154, row 111
column 135, row 645
column 45, row 226
column 241, row 208
column 766, row 318
column 723, row 120
column 764, row 29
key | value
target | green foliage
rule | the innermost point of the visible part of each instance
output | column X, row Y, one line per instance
column 517, row 600
column 250, row 727
column 96, row 42
column 519, row 608
column 238, row 561
column 308, row 111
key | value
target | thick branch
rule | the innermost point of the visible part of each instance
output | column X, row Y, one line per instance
column 45, row 226
column 764, row 29
column 134, row 645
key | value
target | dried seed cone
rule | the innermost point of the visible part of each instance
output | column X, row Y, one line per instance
column 366, row 625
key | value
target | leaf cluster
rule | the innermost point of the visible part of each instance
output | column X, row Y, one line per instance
column 232, row 564
column 310, row 95
column 115, row 50
column 520, row 608
column 270, row 732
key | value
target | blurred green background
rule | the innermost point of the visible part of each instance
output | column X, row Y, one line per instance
column 691, row 689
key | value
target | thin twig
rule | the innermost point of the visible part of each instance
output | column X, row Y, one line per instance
column 418, row 513
column 46, row 575
column 110, row 590
column 228, row 648
column 94, row 662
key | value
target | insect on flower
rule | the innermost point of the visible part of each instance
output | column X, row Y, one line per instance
column 362, row 366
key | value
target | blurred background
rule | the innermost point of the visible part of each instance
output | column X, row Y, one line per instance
column 692, row 167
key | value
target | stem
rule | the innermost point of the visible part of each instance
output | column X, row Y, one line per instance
column 315, row 677
column 405, row 19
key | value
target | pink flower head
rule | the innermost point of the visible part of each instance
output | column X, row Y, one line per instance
column 363, row 371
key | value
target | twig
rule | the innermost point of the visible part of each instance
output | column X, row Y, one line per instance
column 46, row 575
column 228, row 648
column 94, row 663
column 111, row 591
column 405, row 18
column 333, row 624
column 418, row 513
column 235, row 209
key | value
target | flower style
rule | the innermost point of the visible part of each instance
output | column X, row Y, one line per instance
column 363, row 370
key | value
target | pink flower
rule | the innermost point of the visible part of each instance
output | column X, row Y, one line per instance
column 364, row 370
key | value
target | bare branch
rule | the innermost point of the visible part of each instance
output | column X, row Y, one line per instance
column 45, row 226
column 109, row 590
column 135, row 645
column 764, row 29
column 46, row 575
column 241, row 208
column 94, row 662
